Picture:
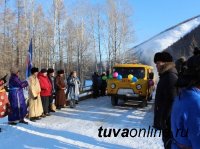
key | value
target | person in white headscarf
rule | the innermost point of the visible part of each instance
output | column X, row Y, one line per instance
column 73, row 89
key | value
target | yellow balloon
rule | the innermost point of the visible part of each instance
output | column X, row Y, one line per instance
column 130, row 76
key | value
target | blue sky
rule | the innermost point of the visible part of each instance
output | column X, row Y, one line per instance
column 151, row 16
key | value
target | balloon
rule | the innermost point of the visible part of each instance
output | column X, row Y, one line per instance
column 110, row 76
column 119, row 77
column 134, row 79
column 130, row 76
column 104, row 78
column 115, row 74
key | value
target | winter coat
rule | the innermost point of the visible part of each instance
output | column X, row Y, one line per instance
column 95, row 82
column 45, row 84
column 99, row 82
column 103, row 83
column 35, row 105
column 165, row 93
column 52, row 81
column 185, row 119
column 16, row 98
column 4, row 103
column 60, row 91
column 73, row 88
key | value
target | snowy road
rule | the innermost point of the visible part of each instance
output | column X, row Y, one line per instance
column 80, row 128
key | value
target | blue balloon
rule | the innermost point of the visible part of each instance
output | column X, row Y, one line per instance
column 134, row 79
column 119, row 77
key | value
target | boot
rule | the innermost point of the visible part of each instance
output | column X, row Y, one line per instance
column 74, row 103
column 37, row 118
column 32, row 119
column 12, row 123
column 43, row 115
column 71, row 103
column 24, row 122
column 47, row 114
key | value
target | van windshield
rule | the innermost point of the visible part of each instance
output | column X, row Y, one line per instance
column 138, row 72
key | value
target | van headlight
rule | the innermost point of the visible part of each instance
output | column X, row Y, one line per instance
column 139, row 87
column 113, row 85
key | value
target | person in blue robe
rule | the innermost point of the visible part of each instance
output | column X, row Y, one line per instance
column 16, row 98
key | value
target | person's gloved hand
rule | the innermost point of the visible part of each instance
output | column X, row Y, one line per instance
column 35, row 97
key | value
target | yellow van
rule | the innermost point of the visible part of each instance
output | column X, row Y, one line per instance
column 124, row 88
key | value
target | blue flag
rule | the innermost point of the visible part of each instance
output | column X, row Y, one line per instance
column 29, row 60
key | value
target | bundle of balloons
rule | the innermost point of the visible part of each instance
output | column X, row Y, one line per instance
column 130, row 77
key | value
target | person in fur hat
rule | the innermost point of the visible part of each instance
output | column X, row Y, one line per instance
column 35, row 103
column 60, row 90
column 165, row 93
column 50, row 73
column 185, row 116
column 196, row 51
column 46, row 89
column 16, row 98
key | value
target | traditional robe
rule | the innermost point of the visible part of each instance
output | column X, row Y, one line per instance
column 16, row 98
column 73, row 88
column 60, row 92
column 35, row 105
column 4, row 103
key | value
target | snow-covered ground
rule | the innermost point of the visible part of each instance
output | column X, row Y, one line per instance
column 78, row 128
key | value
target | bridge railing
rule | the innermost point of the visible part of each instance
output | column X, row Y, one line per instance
column 85, row 92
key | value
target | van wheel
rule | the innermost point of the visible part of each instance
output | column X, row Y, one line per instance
column 114, row 100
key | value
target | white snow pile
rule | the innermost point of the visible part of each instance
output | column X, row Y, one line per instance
column 79, row 128
column 146, row 50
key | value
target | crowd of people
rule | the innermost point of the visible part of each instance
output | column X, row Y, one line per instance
column 46, row 93
column 177, row 100
column 99, row 84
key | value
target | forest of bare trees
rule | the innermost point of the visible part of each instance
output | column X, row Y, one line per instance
column 81, row 35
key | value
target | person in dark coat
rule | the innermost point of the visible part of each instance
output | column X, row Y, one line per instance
column 185, row 117
column 99, row 83
column 196, row 51
column 16, row 98
column 60, row 90
column 50, row 73
column 165, row 93
column 180, row 65
column 95, row 86
column 103, row 84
